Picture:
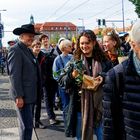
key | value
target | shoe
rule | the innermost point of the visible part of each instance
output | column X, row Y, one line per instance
column 57, row 100
column 55, row 107
column 39, row 124
column 52, row 121
column 36, row 124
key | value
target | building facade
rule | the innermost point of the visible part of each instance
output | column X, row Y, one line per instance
column 55, row 30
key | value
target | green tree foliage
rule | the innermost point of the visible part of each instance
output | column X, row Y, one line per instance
column 137, row 6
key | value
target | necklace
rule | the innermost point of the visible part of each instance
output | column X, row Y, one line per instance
column 90, row 67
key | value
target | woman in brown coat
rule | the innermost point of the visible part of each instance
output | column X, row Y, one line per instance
column 85, row 103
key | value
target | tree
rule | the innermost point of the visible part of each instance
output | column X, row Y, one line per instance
column 137, row 6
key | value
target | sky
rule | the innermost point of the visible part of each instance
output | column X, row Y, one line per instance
column 79, row 12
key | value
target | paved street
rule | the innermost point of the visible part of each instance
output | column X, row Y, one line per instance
column 9, row 121
column 55, row 132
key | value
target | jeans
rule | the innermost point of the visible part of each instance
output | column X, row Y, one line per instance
column 78, row 126
column 64, row 97
column 98, row 131
column 25, row 116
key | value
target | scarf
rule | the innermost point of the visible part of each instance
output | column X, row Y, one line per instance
column 112, row 57
column 88, row 103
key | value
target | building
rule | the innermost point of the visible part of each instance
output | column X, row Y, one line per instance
column 55, row 30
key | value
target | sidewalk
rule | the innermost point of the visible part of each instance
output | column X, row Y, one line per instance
column 55, row 132
column 9, row 121
column 8, row 117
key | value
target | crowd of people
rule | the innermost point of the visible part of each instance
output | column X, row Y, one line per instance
column 99, row 94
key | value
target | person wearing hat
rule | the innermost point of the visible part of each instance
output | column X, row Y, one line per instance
column 11, row 43
column 24, row 76
column 121, row 98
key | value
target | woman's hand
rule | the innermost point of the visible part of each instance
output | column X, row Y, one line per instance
column 75, row 73
column 99, row 79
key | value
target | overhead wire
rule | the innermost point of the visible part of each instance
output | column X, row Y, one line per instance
column 99, row 13
column 116, row 13
column 108, row 8
column 81, row 4
column 59, row 8
column 113, row 14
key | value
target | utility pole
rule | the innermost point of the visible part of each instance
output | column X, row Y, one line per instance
column 83, row 26
column 123, row 15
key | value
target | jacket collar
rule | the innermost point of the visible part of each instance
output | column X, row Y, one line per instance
column 130, row 68
column 27, row 52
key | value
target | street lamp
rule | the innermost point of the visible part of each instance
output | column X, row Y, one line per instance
column 3, row 10
column 82, row 22
column 123, row 15
column 0, row 13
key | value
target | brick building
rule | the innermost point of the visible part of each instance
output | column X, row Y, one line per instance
column 55, row 30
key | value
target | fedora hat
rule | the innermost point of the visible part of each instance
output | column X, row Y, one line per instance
column 27, row 28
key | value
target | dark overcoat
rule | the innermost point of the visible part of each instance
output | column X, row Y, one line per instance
column 23, row 73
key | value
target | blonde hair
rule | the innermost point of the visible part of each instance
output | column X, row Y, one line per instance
column 64, row 43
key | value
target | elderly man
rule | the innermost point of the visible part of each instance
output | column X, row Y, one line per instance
column 23, row 72
column 121, row 100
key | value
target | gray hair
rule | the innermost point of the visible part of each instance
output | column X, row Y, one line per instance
column 64, row 43
column 135, row 32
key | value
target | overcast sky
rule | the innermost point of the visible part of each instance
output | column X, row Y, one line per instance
column 78, row 12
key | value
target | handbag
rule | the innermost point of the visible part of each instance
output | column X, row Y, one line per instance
column 70, row 114
column 91, row 83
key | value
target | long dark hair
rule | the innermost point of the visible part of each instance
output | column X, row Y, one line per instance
column 97, row 53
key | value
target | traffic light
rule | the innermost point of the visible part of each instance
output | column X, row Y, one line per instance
column 104, row 23
column 99, row 22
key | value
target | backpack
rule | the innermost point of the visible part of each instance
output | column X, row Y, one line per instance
column 50, row 56
column 46, row 63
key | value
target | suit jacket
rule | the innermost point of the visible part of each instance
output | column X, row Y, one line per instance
column 23, row 72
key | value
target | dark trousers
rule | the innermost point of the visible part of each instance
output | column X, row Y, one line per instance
column 38, row 108
column 25, row 116
column 49, row 95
